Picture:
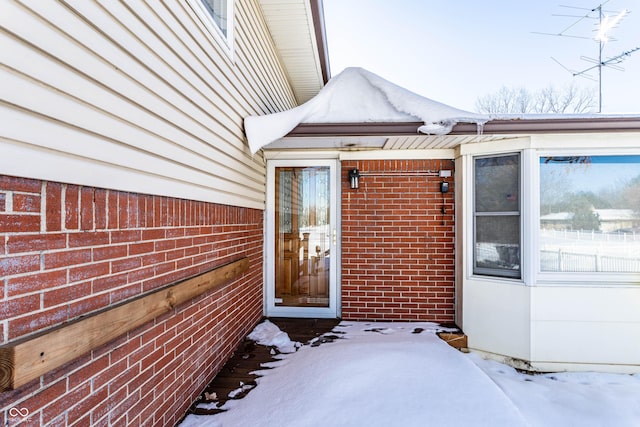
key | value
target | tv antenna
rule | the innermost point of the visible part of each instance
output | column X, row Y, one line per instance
column 605, row 24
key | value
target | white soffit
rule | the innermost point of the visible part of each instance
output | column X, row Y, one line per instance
column 290, row 23
column 322, row 143
column 421, row 142
column 389, row 142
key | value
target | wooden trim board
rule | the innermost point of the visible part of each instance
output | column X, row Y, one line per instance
column 29, row 358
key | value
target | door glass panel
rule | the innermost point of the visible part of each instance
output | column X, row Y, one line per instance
column 303, row 236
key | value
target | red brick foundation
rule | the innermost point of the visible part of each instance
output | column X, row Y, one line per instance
column 398, row 242
column 67, row 251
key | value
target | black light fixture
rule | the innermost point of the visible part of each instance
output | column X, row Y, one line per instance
column 354, row 178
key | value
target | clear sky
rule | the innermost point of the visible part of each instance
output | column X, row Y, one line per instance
column 455, row 51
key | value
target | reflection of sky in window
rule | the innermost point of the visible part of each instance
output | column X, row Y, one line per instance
column 595, row 174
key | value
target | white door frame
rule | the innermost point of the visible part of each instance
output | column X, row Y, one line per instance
column 270, row 309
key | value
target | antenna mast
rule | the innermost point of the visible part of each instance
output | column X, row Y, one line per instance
column 605, row 23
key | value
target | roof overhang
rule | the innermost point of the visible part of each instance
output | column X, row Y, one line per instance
column 499, row 126
column 298, row 33
column 405, row 135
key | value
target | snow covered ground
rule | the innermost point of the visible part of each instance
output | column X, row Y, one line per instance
column 402, row 374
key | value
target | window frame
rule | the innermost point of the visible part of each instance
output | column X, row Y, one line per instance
column 571, row 277
column 497, row 273
column 203, row 12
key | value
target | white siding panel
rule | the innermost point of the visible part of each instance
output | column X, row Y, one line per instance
column 244, row 78
column 496, row 317
column 153, row 139
column 593, row 343
column 102, row 175
column 586, row 324
column 89, row 146
column 141, row 92
column 258, row 52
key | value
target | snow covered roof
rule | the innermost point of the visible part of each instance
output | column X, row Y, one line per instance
column 557, row 216
column 616, row 214
column 357, row 95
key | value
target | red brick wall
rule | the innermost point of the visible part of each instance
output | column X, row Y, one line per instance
column 397, row 244
column 67, row 251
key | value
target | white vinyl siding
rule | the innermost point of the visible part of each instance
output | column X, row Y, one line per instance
column 136, row 97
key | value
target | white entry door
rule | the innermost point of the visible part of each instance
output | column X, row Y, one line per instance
column 302, row 238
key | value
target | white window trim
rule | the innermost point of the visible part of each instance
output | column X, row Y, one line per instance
column 530, row 208
column 571, row 278
column 207, row 20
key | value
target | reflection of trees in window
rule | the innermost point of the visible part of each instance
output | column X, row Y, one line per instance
column 580, row 207
column 314, row 190
column 568, row 159
column 559, row 195
column 584, row 217
column 590, row 213
column 631, row 194
column 555, row 194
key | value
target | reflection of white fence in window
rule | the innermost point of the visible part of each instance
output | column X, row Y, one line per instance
column 595, row 236
column 497, row 255
column 575, row 262
column 589, row 251
column 486, row 252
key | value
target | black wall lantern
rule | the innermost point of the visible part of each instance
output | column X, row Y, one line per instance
column 354, row 178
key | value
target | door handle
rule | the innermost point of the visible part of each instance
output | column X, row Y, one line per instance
column 335, row 237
